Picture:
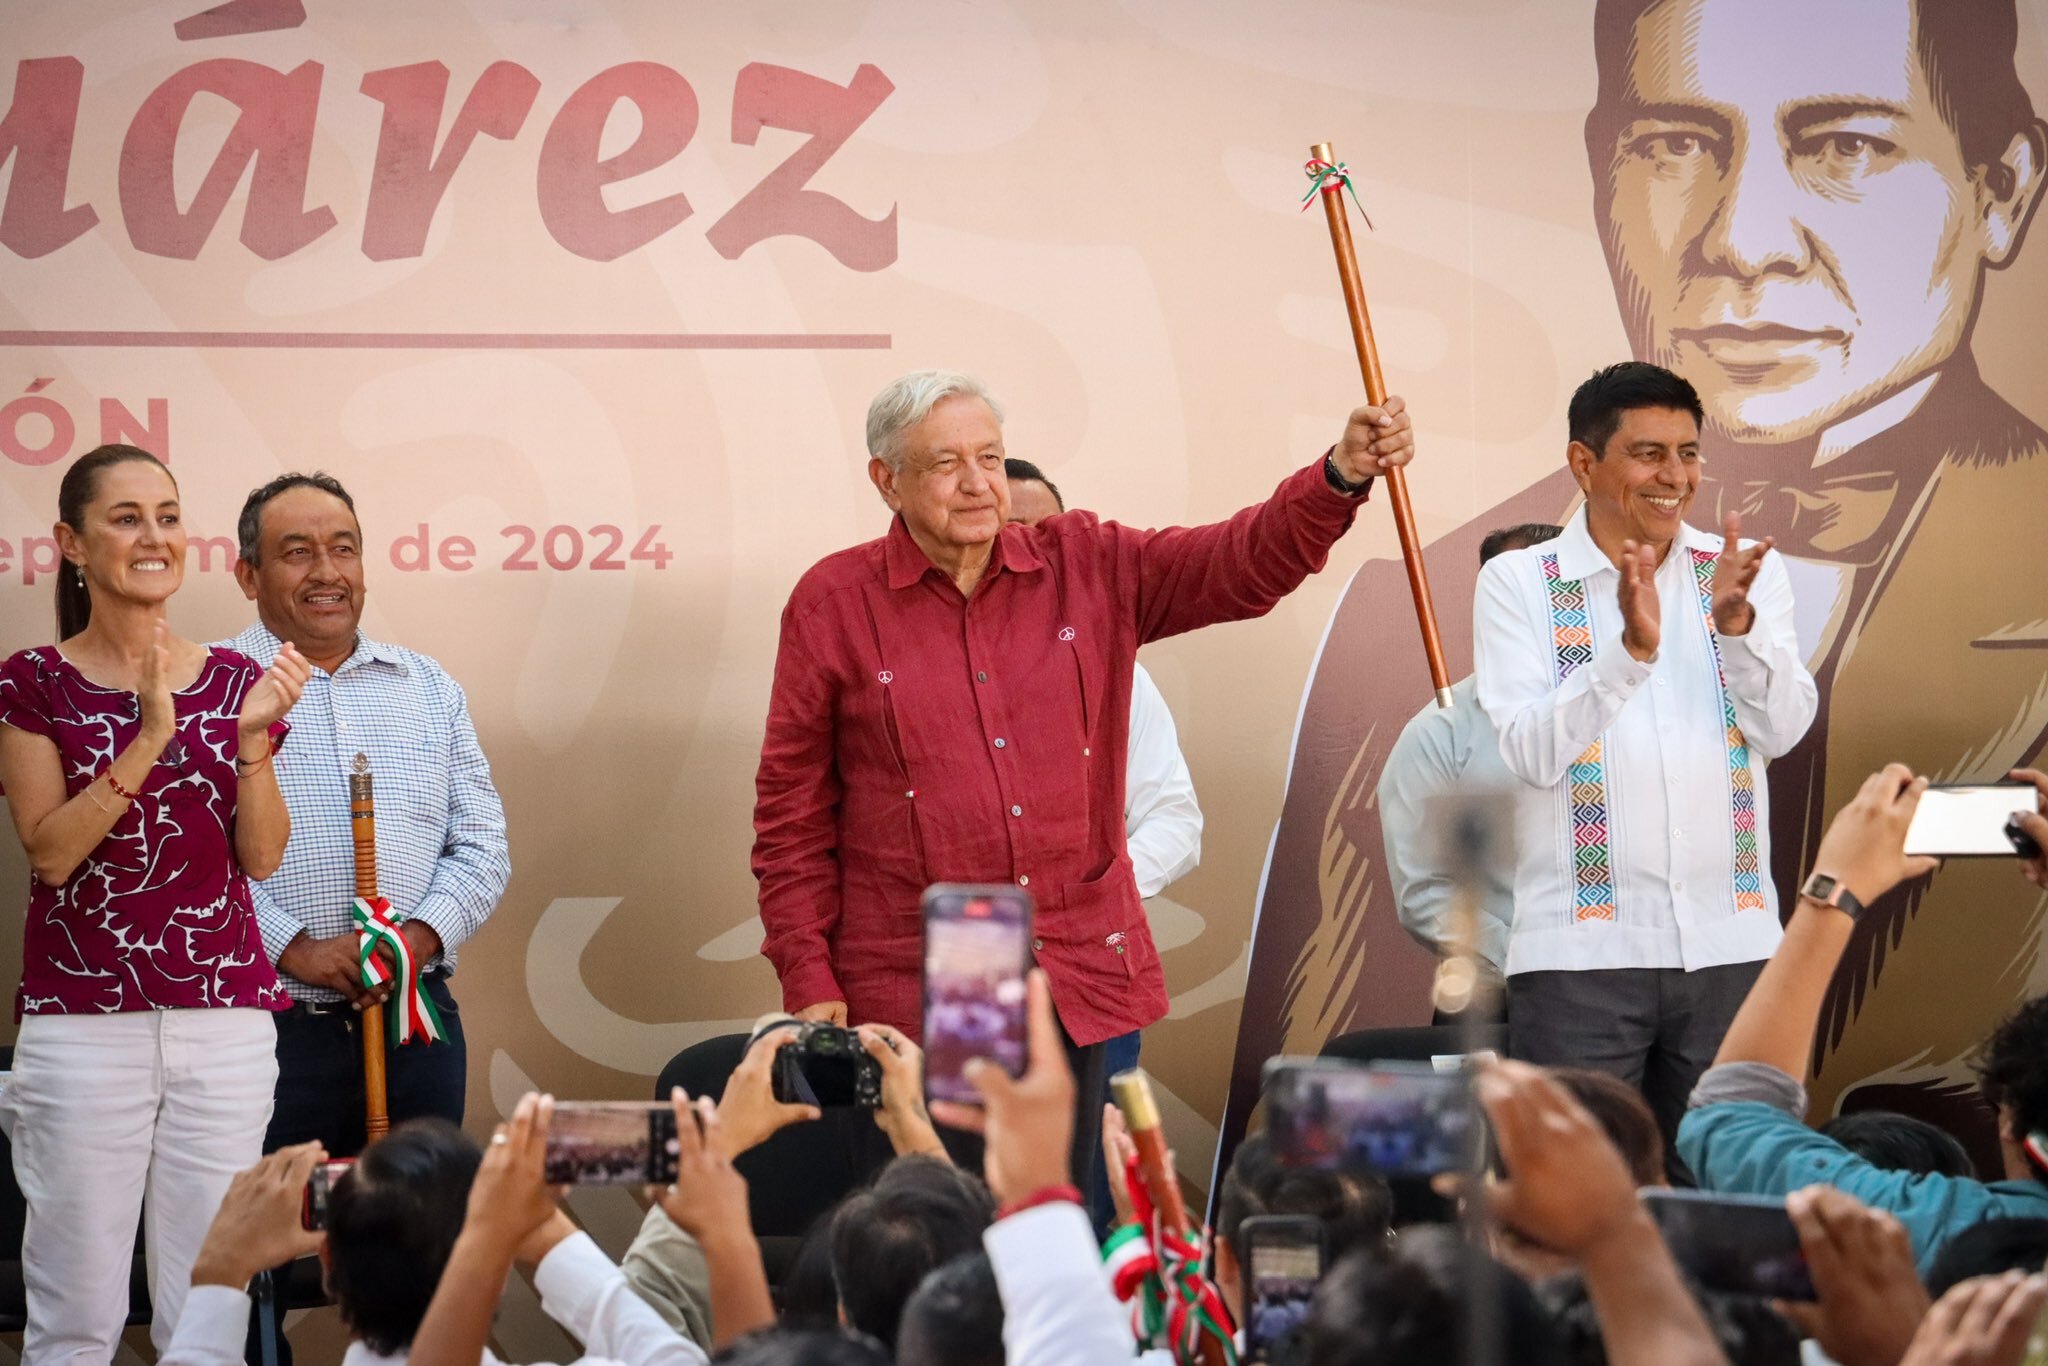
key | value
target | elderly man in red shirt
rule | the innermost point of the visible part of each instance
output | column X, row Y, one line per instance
column 952, row 703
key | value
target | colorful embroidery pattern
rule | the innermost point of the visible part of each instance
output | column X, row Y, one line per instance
column 1586, row 779
column 1749, row 877
column 1571, row 629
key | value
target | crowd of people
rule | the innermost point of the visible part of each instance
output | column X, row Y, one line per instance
column 196, row 961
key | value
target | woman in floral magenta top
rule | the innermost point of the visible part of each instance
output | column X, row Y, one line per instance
column 137, row 768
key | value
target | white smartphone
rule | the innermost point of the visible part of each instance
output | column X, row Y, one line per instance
column 1970, row 820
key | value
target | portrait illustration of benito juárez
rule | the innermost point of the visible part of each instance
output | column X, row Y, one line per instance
column 1800, row 201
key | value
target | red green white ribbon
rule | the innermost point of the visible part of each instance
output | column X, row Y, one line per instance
column 1329, row 175
column 1158, row 1272
column 412, row 1011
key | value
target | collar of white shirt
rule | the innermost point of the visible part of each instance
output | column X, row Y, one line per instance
column 1580, row 557
column 260, row 638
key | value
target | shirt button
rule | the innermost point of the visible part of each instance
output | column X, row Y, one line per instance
column 1677, row 833
column 1024, row 879
column 999, row 742
column 981, row 676
column 1016, row 810
column 1038, row 946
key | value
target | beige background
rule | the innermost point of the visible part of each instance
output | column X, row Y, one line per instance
column 1097, row 209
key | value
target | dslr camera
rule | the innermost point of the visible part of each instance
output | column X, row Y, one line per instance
column 824, row 1066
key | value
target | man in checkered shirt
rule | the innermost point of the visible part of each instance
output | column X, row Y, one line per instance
column 441, row 853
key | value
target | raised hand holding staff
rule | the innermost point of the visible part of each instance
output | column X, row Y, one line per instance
column 1331, row 180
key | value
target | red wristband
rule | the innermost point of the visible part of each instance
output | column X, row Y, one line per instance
column 1051, row 1195
column 115, row 783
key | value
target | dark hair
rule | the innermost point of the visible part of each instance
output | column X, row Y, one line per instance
column 1966, row 47
column 1354, row 1208
column 803, row 1347
column 1989, row 1248
column 955, row 1318
column 249, row 526
column 1901, row 1143
column 81, row 484
column 805, row 1296
column 391, row 1221
column 1597, row 405
column 1517, row 538
column 1406, row 1304
column 1621, row 1111
column 1748, row 1330
column 1016, row 470
column 2012, row 1067
column 921, row 1212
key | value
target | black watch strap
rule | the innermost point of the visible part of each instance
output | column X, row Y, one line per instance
column 1829, row 891
column 1338, row 481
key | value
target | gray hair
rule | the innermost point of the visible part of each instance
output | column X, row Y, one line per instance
column 905, row 402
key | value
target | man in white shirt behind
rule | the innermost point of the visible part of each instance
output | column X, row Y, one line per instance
column 1638, row 674
column 1162, row 820
column 1440, row 750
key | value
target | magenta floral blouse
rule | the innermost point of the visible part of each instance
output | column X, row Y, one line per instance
column 158, row 916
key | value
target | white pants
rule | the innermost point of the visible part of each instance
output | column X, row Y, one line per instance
column 105, row 1110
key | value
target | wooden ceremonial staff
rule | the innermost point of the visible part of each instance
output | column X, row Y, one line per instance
column 1332, row 187
column 362, row 824
column 1133, row 1095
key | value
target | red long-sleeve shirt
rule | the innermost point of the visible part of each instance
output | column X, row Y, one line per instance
column 919, row 736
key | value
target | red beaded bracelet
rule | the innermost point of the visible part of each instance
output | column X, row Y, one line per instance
column 119, row 791
column 1051, row 1195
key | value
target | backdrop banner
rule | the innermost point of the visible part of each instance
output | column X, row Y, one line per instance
column 585, row 301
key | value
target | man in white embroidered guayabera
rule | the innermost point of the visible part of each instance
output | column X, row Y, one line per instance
column 1639, row 673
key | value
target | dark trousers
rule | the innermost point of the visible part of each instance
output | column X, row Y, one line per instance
column 320, row 1095
column 1655, row 1028
column 1118, row 1055
column 320, row 1076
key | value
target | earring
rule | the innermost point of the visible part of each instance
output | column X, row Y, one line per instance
column 79, row 570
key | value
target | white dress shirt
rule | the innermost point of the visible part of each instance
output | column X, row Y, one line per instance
column 1670, row 803
column 1162, row 823
column 1058, row 1308
column 580, row 1289
column 1440, row 750
column 442, row 856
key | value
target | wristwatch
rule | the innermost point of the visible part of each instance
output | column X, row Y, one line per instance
column 1338, row 481
column 1829, row 891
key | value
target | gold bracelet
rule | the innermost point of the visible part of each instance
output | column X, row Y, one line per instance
column 94, row 797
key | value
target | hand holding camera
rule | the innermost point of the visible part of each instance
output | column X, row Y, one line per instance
column 258, row 1225
column 902, row 1115
column 754, row 1105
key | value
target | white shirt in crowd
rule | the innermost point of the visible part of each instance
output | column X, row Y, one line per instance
column 580, row 1289
column 1058, row 1309
column 1665, row 753
column 1162, row 823
column 1440, row 750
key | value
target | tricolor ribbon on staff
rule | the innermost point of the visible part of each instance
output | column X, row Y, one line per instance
column 1158, row 1272
column 412, row 1011
column 1322, row 172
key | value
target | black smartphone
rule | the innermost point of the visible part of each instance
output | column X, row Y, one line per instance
column 1972, row 820
column 611, row 1143
column 1281, row 1262
column 319, row 1184
column 1737, row 1244
column 977, row 953
column 1394, row 1119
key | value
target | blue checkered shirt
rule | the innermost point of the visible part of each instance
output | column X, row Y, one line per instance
column 441, row 852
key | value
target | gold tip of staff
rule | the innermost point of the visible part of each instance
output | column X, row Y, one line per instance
column 1133, row 1095
column 1321, row 152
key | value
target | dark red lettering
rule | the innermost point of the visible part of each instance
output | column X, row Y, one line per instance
column 409, row 179
column 572, row 176
column 37, row 133
column 777, row 97
column 274, row 129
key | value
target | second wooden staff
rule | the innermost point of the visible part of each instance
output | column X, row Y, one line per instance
column 362, row 824
column 1331, row 184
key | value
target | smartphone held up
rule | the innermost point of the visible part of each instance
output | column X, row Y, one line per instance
column 611, row 1143
column 1394, row 1119
column 977, row 955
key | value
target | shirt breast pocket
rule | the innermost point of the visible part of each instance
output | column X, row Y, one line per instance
column 413, row 784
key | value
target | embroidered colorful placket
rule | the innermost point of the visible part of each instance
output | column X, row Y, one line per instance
column 1571, row 634
column 1571, row 629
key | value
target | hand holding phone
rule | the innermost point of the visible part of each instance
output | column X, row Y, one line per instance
column 1281, row 1261
column 320, row 1184
column 1737, row 1244
column 977, row 954
column 611, row 1143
